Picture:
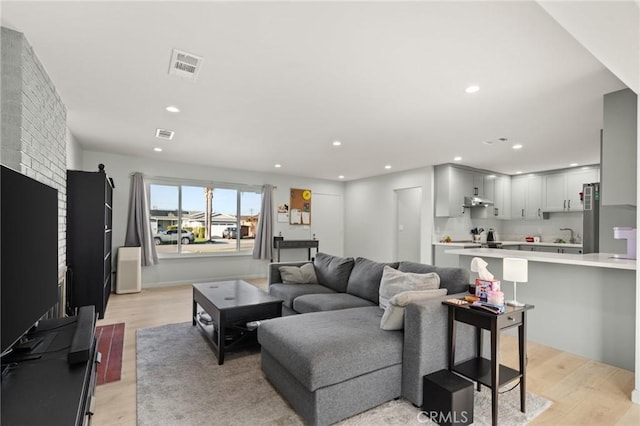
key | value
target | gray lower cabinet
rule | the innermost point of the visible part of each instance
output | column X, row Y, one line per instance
column 546, row 249
column 572, row 251
column 442, row 259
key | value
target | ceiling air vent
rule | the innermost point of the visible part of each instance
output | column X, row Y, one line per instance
column 164, row 134
column 185, row 64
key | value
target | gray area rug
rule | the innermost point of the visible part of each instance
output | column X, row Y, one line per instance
column 179, row 382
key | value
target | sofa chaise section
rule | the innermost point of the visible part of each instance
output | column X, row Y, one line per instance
column 332, row 365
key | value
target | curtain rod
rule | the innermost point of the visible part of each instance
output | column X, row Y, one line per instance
column 198, row 181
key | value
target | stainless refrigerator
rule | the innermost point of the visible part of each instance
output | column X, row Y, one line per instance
column 591, row 218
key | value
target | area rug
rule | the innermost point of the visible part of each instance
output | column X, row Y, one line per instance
column 180, row 382
column 110, row 340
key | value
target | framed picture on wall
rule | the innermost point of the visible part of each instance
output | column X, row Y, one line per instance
column 300, row 207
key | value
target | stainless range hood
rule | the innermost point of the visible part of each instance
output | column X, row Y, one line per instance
column 475, row 201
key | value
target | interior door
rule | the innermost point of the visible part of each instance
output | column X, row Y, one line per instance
column 328, row 223
column 408, row 223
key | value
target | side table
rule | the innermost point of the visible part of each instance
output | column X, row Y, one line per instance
column 489, row 372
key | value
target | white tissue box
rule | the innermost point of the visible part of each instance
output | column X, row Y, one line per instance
column 483, row 287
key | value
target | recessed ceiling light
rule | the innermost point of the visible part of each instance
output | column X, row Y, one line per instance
column 157, row 149
column 341, row 177
column 388, row 166
column 457, row 158
column 472, row 89
column 337, row 143
column 517, row 146
column 519, row 172
column 573, row 164
column 172, row 108
column 277, row 166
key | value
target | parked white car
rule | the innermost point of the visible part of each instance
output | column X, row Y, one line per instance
column 170, row 236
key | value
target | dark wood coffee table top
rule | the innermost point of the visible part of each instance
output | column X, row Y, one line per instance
column 233, row 294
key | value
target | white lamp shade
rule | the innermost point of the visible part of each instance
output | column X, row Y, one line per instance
column 515, row 270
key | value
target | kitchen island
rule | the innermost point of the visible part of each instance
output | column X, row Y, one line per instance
column 585, row 303
column 442, row 256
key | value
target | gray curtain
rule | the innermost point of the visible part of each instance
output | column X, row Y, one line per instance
column 263, row 248
column 139, row 226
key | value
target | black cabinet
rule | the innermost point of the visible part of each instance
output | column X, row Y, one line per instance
column 89, row 213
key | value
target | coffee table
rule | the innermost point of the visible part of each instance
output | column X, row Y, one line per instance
column 231, row 305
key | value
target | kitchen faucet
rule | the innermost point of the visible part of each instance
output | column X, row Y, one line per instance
column 572, row 240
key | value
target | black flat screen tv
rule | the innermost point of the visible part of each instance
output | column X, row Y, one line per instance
column 28, row 253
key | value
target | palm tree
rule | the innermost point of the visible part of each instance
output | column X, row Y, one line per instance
column 208, row 193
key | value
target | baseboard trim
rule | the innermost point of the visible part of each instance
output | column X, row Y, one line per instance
column 199, row 280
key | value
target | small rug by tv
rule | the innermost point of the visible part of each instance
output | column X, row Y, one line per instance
column 110, row 344
column 180, row 382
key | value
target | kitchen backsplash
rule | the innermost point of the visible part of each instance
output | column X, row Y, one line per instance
column 459, row 228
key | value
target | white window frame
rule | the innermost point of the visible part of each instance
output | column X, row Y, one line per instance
column 180, row 182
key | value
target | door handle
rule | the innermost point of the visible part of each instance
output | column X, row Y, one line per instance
column 569, row 204
column 538, row 212
column 522, row 213
column 475, row 190
column 564, row 206
column 495, row 211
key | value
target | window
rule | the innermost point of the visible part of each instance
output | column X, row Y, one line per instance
column 203, row 218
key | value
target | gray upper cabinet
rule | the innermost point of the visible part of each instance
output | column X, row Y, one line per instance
column 450, row 186
column 561, row 190
column 526, row 197
column 453, row 184
column 502, row 197
column 618, row 149
column 498, row 189
column 477, row 186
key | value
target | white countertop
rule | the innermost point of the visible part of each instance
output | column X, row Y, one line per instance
column 541, row 243
column 458, row 244
column 508, row 243
column 598, row 260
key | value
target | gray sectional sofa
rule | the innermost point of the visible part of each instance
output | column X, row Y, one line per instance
column 328, row 356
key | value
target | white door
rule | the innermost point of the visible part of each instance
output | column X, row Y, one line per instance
column 327, row 223
column 408, row 226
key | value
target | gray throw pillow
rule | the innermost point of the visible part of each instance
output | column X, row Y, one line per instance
column 304, row 274
column 333, row 271
column 365, row 278
column 393, row 317
column 394, row 282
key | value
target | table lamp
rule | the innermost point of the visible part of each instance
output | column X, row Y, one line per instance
column 515, row 270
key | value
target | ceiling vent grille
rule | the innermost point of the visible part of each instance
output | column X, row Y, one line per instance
column 164, row 134
column 185, row 65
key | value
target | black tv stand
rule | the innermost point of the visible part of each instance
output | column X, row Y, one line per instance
column 41, row 386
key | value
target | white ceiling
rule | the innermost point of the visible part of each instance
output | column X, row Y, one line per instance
column 282, row 80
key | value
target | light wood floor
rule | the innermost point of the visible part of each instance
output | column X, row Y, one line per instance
column 583, row 392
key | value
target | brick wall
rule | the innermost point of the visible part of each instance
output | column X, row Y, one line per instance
column 33, row 138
